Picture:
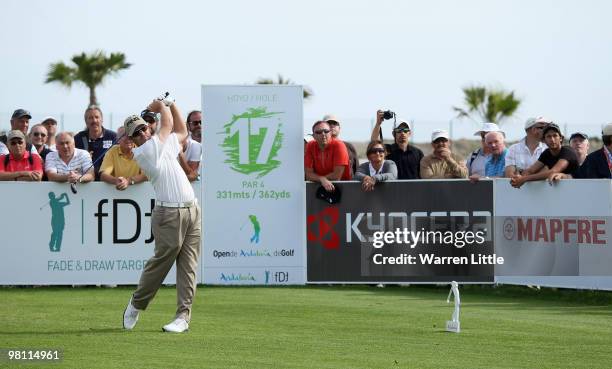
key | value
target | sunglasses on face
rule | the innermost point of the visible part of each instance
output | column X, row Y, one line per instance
column 16, row 142
column 140, row 131
column 39, row 134
column 377, row 150
column 322, row 131
column 402, row 130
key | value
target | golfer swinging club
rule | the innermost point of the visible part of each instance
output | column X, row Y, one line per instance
column 176, row 217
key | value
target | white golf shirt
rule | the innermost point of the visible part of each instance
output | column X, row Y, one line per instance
column 158, row 161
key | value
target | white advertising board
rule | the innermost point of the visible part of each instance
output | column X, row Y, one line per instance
column 555, row 235
column 51, row 236
column 253, row 180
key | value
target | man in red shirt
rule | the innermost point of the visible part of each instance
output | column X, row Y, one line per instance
column 19, row 164
column 326, row 158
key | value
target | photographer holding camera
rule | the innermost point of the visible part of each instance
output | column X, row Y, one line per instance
column 406, row 157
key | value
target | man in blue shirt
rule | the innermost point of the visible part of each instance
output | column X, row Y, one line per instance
column 494, row 166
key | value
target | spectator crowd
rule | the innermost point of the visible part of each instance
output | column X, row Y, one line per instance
column 41, row 153
column 540, row 155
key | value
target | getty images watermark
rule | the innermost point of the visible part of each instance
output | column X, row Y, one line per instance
column 414, row 239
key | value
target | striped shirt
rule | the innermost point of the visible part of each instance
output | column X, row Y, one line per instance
column 80, row 163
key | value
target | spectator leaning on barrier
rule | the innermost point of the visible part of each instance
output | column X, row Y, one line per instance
column 526, row 152
column 191, row 155
column 556, row 159
column 579, row 142
column 19, row 164
column 151, row 118
column 495, row 164
column 118, row 166
column 334, row 125
column 476, row 162
column 598, row 164
column 95, row 139
column 326, row 159
column 442, row 163
column 377, row 169
column 406, row 157
column 50, row 124
column 68, row 163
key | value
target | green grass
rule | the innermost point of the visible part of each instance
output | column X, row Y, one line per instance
column 315, row 327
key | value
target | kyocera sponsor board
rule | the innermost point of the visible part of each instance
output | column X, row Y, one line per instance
column 98, row 236
column 254, row 182
column 554, row 231
column 401, row 233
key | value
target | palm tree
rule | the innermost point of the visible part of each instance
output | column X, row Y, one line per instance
column 490, row 105
column 281, row 81
column 91, row 70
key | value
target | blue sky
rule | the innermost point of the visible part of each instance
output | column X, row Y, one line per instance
column 409, row 56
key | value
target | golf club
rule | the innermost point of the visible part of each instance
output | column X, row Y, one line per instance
column 73, row 188
column 73, row 184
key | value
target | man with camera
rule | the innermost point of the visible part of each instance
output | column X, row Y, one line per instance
column 407, row 158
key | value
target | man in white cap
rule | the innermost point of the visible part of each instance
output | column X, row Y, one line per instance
column 334, row 125
column 176, row 218
column 526, row 152
column 442, row 163
column 476, row 162
column 50, row 124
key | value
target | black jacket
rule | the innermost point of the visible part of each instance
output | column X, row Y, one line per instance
column 595, row 166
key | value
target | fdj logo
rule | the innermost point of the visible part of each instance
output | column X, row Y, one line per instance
column 320, row 228
column 252, row 140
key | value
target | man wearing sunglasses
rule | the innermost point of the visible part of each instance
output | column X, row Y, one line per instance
column 334, row 125
column 176, row 218
column 326, row 158
column 526, row 152
column 19, row 164
column 406, row 157
column 152, row 119
column 191, row 155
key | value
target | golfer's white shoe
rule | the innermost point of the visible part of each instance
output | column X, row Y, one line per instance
column 130, row 316
column 179, row 325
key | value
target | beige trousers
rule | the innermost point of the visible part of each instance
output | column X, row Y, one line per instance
column 177, row 234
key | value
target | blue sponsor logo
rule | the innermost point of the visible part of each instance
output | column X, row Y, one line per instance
column 237, row 277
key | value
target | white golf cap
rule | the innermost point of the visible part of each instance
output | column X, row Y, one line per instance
column 439, row 133
column 488, row 127
column 533, row 121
